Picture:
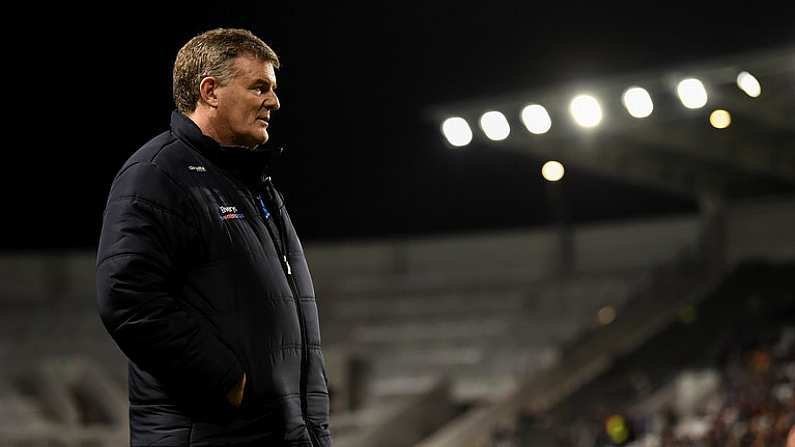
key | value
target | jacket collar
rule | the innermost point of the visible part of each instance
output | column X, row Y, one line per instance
column 248, row 165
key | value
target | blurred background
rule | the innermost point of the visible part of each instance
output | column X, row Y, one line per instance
column 562, row 224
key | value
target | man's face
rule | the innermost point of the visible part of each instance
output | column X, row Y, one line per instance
column 245, row 103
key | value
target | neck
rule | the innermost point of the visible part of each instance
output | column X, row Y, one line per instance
column 210, row 127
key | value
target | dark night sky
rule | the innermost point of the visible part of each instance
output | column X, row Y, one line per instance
column 89, row 86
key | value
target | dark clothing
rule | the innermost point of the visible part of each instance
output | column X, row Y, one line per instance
column 193, row 286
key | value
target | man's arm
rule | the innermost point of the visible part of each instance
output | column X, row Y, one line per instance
column 144, row 240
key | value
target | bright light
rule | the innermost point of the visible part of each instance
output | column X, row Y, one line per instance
column 720, row 119
column 536, row 119
column 692, row 93
column 457, row 131
column 552, row 171
column 748, row 83
column 638, row 102
column 495, row 126
column 586, row 111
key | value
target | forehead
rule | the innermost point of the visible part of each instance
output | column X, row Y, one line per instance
column 251, row 68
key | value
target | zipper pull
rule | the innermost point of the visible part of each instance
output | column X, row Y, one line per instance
column 264, row 208
column 287, row 263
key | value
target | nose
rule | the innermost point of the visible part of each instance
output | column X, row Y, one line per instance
column 272, row 102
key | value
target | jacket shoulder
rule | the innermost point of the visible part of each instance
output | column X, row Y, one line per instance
column 165, row 151
column 155, row 171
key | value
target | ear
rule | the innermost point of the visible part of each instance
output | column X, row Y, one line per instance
column 207, row 90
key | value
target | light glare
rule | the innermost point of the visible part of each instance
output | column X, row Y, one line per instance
column 638, row 102
column 692, row 93
column 720, row 119
column 495, row 125
column 457, row 131
column 552, row 171
column 748, row 83
column 536, row 119
column 586, row 111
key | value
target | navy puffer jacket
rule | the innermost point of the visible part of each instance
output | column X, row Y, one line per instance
column 200, row 278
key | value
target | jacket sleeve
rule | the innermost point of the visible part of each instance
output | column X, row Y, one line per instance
column 146, row 238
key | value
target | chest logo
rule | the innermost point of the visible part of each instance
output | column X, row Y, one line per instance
column 197, row 168
column 230, row 212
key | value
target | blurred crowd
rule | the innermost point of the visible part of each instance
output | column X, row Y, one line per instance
column 747, row 401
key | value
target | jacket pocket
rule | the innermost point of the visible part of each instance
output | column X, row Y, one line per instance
column 158, row 425
column 257, row 430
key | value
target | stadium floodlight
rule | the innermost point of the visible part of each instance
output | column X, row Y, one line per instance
column 586, row 111
column 638, row 102
column 720, row 119
column 748, row 83
column 495, row 125
column 457, row 131
column 552, row 171
column 692, row 93
column 536, row 119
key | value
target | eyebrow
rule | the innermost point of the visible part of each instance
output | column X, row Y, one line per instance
column 266, row 82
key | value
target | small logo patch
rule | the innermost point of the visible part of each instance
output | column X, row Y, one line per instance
column 230, row 212
column 197, row 168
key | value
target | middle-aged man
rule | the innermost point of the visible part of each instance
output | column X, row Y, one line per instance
column 201, row 278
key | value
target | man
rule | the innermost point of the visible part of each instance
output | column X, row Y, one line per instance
column 201, row 278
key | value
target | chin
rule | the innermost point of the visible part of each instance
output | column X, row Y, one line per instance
column 257, row 139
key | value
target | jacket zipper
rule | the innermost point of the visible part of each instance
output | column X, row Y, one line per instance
column 282, row 253
column 279, row 251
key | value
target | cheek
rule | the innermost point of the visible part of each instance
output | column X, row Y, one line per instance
column 247, row 111
column 242, row 115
